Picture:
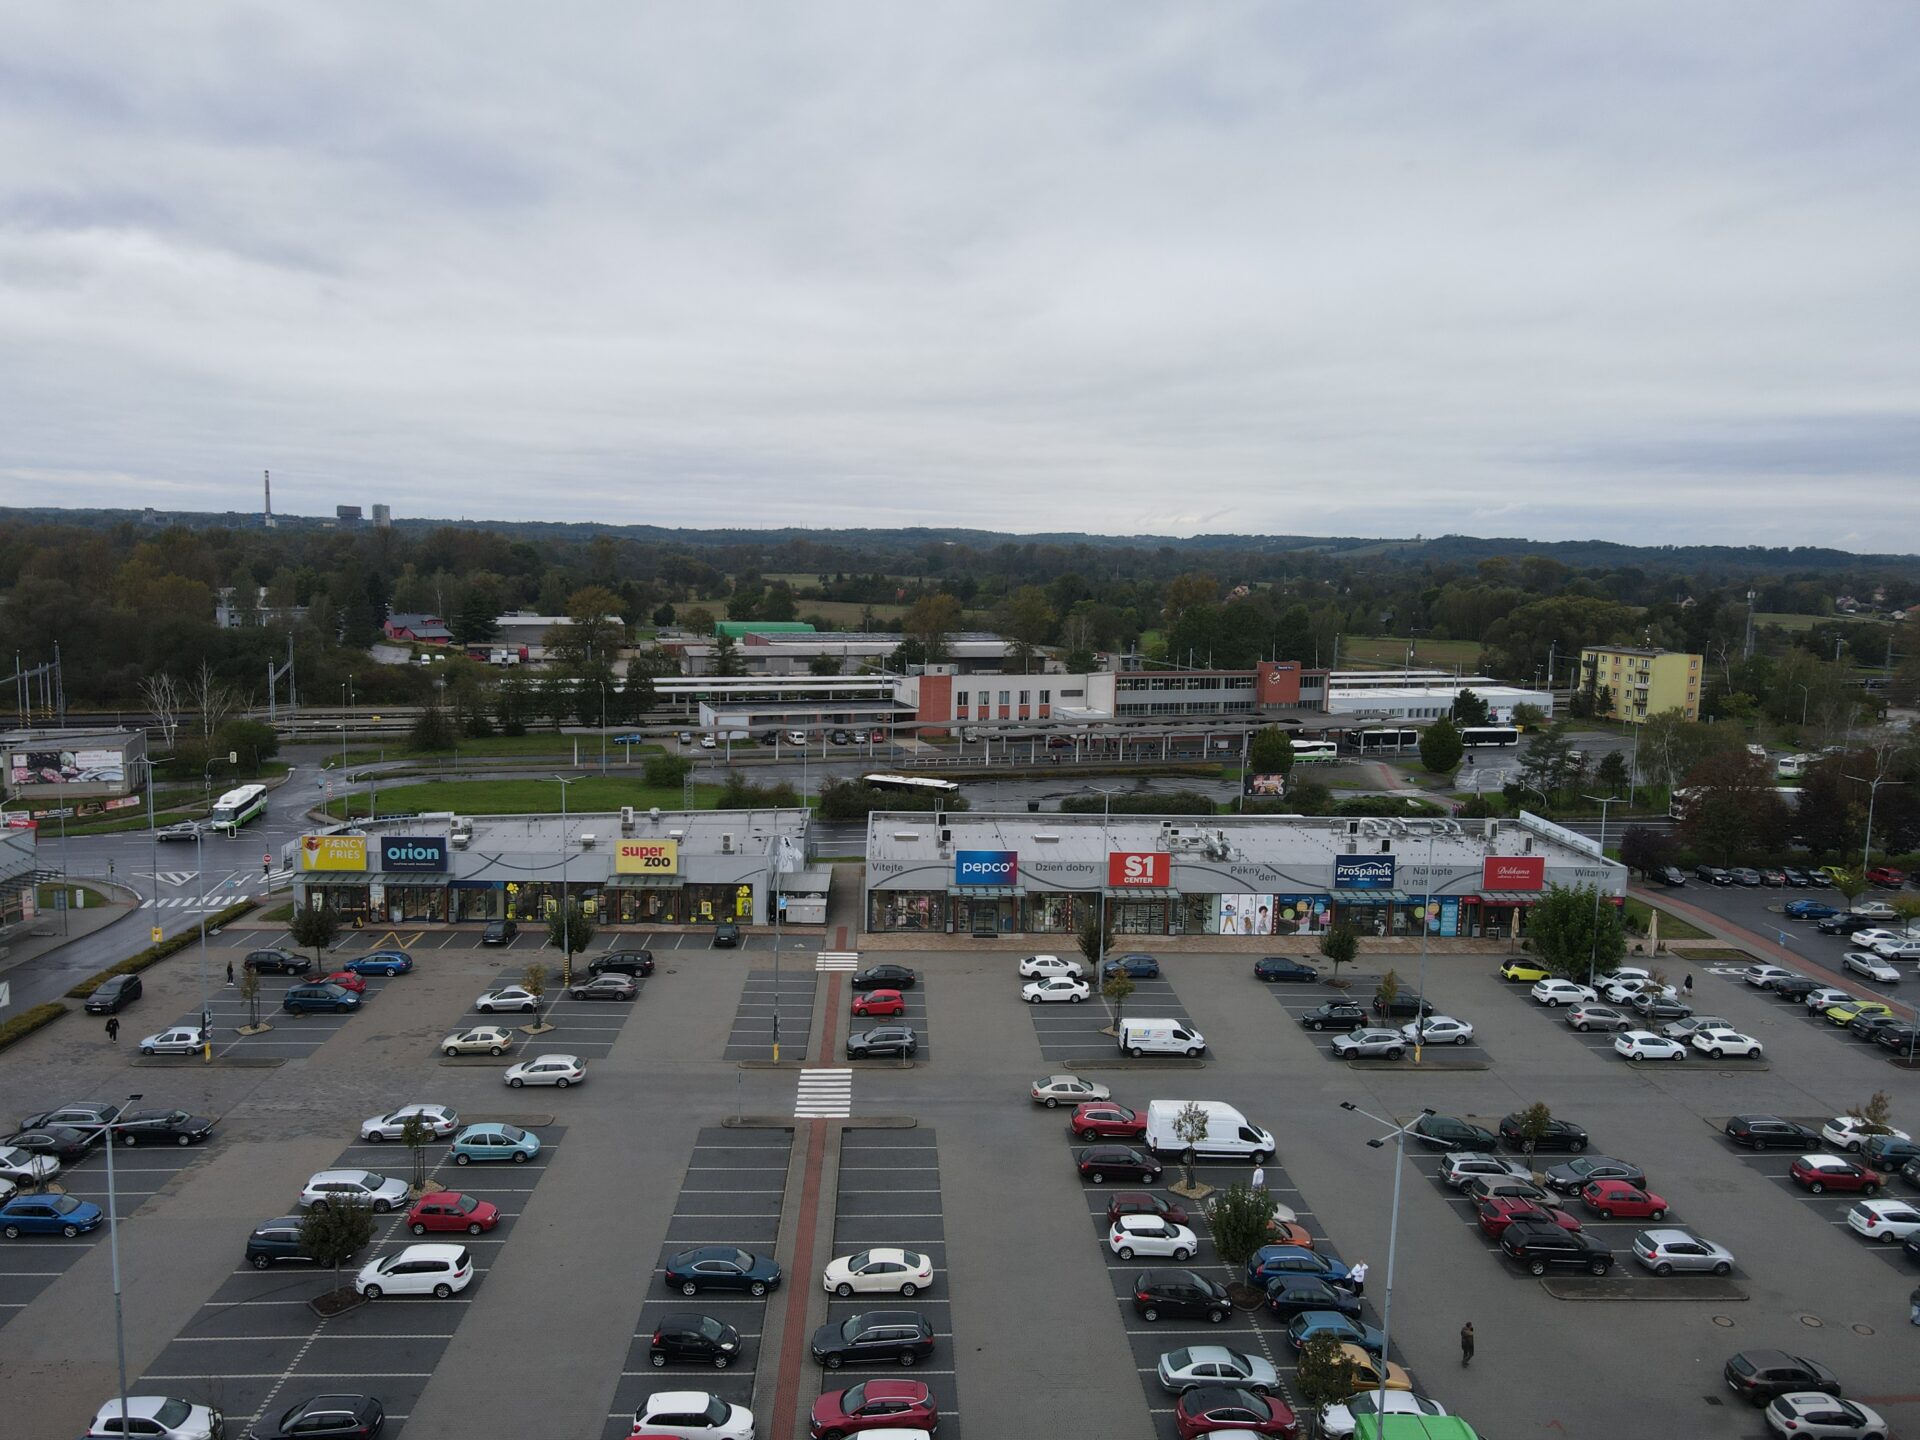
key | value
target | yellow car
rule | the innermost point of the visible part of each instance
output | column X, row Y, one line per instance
column 1366, row 1371
column 1523, row 971
column 1853, row 1010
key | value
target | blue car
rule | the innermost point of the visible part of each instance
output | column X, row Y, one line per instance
column 48, row 1215
column 1344, row 1328
column 319, row 996
column 1270, row 1261
column 1138, row 967
column 381, row 962
column 492, row 1140
column 1810, row 910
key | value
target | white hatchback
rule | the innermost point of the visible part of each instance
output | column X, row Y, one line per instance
column 1645, row 1045
column 1048, row 965
column 1133, row 1235
column 559, row 1071
column 381, row 1192
column 508, row 997
column 1850, row 1132
column 1884, row 1220
column 161, row 1417
column 1554, row 992
column 1055, row 989
column 180, row 1040
column 440, row 1120
column 692, row 1415
column 1719, row 1042
column 436, row 1270
column 883, row 1270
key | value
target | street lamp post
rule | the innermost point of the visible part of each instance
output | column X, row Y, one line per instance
column 1806, row 694
column 1398, row 1133
column 566, row 918
column 1593, row 947
column 1873, row 793
column 113, row 1246
column 1100, row 920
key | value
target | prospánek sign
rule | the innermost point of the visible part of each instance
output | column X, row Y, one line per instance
column 1363, row 872
column 418, row 853
column 986, row 867
column 1513, row 872
column 1147, row 869
column 646, row 857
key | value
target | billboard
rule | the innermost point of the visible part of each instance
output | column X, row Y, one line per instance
column 646, row 857
column 1246, row 914
column 420, row 853
column 66, row 767
column 1266, row 785
column 1152, row 869
column 986, row 867
column 333, row 852
column 1513, row 872
column 1363, row 872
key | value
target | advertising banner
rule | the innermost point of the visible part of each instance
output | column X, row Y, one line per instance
column 1363, row 872
column 646, row 857
column 986, row 867
column 333, row 852
column 1513, row 872
column 1152, row 869
column 1302, row 914
column 419, row 853
column 1266, row 785
column 66, row 767
column 1246, row 914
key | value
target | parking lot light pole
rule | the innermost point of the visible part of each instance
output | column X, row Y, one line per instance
column 1399, row 1135
column 1873, row 793
column 113, row 1247
column 1593, row 946
column 566, row 920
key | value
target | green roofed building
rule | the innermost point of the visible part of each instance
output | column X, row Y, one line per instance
column 738, row 628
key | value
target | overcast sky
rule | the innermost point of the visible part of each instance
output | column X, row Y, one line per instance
column 1645, row 273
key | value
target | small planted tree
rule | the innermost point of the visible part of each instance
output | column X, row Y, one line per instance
column 1387, row 992
column 1535, row 1121
column 415, row 1135
column 1094, row 938
column 1851, row 883
column 1116, row 988
column 314, row 926
column 569, row 930
column 334, row 1232
column 1325, row 1377
column 1190, row 1128
column 250, row 992
column 1876, row 1115
column 1239, row 1217
column 535, row 983
column 1340, row 944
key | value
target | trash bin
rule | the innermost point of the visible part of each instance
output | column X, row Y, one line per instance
column 1033, row 807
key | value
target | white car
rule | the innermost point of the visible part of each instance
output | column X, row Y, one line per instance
column 1133, row 1235
column 22, row 1167
column 1554, row 992
column 1627, row 972
column 1438, row 1030
column 1850, row 1133
column 1625, row 992
column 1457, row 1167
column 1884, row 1220
column 1338, row 1421
column 1873, row 939
column 508, row 997
column 380, row 1192
column 1765, row 977
column 883, row 1269
column 1645, row 1045
column 440, row 1120
column 1865, row 962
column 180, row 1040
column 161, row 1417
column 436, row 1270
column 1054, row 1091
column 692, row 1415
column 1048, row 965
column 1816, row 1415
column 1720, row 1041
column 559, row 1071
column 480, row 1040
column 1055, row 988
column 1692, row 1025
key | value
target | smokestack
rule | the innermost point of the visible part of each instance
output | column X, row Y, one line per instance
column 267, row 515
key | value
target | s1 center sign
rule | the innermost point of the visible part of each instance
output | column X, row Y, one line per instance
column 1141, row 869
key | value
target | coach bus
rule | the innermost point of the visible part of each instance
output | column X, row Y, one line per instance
column 237, row 807
column 1313, row 751
column 1479, row 736
column 1384, row 742
column 911, row 784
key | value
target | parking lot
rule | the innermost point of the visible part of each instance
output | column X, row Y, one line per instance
column 1831, row 1208
column 1795, row 1011
column 587, row 1028
column 1298, row 998
column 1601, row 1042
column 1069, row 1033
column 764, row 999
column 291, row 1036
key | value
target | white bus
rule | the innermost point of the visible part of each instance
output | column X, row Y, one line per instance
column 1314, row 751
column 1477, row 736
column 1384, row 742
column 237, row 807
column 911, row 784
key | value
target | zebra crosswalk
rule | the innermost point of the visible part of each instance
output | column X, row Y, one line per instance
column 824, row 1095
column 837, row 960
column 174, row 879
column 213, row 900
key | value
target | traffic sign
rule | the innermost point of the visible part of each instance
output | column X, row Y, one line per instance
column 155, row 932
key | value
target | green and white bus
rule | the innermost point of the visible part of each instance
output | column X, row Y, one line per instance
column 237, row 807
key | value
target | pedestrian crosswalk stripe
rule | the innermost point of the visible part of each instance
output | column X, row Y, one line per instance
column 837, row 960
column 824, row 1095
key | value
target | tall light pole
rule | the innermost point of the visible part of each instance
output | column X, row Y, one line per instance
column 1593, row 947
column 603, row 728
column 1873, row 793
column 113, row 1246
column 1100, row 920
column 566, row 918
column 1806, row 694
column 1398, row 1133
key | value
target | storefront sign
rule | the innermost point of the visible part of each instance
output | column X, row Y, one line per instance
column 333, row 852
column 986, row 867
column 413, row 852
column 646, row 857
column 1152, row 869
column 1363, row 872
column 1513, row 872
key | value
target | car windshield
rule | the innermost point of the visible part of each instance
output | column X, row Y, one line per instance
column 366, row 1178
column 716, row 1411
column 65, row 1204
column 742, row 1259
column 172, row 1412
column 466, row 1205
column 857, row 1263
column 512, row 1134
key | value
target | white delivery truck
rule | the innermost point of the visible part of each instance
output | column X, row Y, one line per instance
column 1160, row 1037
column 1229, row 1134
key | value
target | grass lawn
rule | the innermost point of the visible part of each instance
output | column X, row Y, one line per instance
column 537, row 742
column 81, row 897
column 1807, row 622
column 1391, row 651
column 523, row 797
column 1672, row 927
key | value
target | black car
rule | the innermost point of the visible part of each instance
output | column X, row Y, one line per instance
column 902, row 1336
column 63, row 1142
column 277, row 962
column 1279, row 967
column 499, row 932
column 162, row 1127
column 885, row 977
column 1180, row 1294
column 1770, row 1132
column 114, row 993
column 1291, row 1295
column 1670, row 875
column 721, row 1267
column 1759, row 1375
column 1335, row 1015
column 1901, row 1038
column 1570, row 1177
column 622, row 962
column 1794, row 987
column 277, row 1243
column 1403, row 1005
column 1712, row 875
column 1868, row 1027
column 839, row 737
column 726, row 935
column 1101, row 1163
column 1795, row 878
column 1543, row 1247
column 1137, row 967
column 682, row 1337
column 1841, row 924
column 882, row 1040
column 1447, row 1132
column 325, row 1415
column 1560, row 1135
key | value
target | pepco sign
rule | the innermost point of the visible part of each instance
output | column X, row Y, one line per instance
column 1513, row 872
column 986, row 867
column 1148, row 868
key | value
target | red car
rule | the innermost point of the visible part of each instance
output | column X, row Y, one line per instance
column 1887, row 877
column 450, row 1210
column 880, row 1002
column 1139, row 1202
column 1207, row 1408
column 1499, row 1211
column 346, row 980
column 1820, row 1173
column 905, row 1404
column 1608, row 1198
column 1103, row 1120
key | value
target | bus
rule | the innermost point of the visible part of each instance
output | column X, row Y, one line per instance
column 1313, row 751
column 911, row 784
column 237, row 807
column 1384, row 742
column 1478, row 736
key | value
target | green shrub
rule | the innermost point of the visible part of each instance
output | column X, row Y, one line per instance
column 154, row 954
column 28, row 1021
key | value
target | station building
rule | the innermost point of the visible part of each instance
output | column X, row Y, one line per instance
column 1047, row 875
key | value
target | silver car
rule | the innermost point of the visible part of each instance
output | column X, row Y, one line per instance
column 1683, row 1028
column 1666, row 1251
column 1598, row 1017
column 1197, row 1365
column 1457, row 1167
column 1390, row 1043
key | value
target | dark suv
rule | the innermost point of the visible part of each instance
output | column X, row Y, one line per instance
column 1712, row 875
column 278, row 962
column 1335, row 1015
column 1405, row 1005
column 1547, row 1247
column 114, row 992
column 1180, row 1293
column 903, row 1336
column 277, row 1242
column 1138, row 967
column 1770, row 1132
column 1281, row 967
column 683, row 1337
column 499, row 932
column 622, row 962
column 1759, row 1375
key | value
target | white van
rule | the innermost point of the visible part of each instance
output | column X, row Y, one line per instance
column 1229, row 1134
column 1160, row 1037
column 796, row 737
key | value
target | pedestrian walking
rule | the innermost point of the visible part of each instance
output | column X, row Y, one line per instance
column 1466, row 1345
column 1357, row 1278
column 1686, row 987
column 229, row 972
column 1259, row 1177
column 113, row 1029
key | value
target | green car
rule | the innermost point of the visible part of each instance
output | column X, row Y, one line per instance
column 492, row 1140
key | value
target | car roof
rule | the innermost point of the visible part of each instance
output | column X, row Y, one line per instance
column 676, row 1400
column 435, row 1252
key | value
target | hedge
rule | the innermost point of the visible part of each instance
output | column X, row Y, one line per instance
column 154, row 954
column 28, row 1021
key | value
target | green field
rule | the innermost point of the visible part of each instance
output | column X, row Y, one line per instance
column 80, row 897
column 523, row 797
column 538, row 742
column 1391, row 651
column 1672, row 927
column 1807, row 622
